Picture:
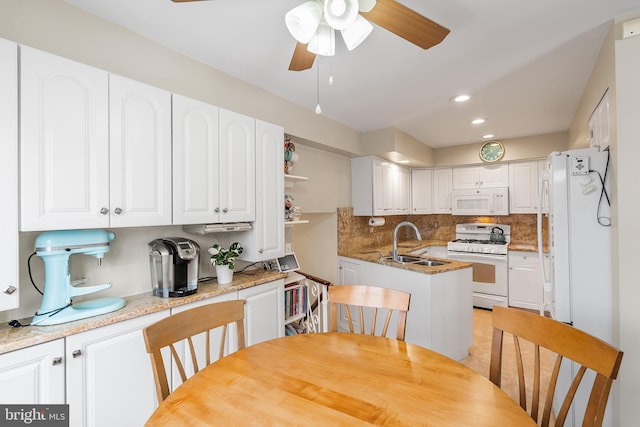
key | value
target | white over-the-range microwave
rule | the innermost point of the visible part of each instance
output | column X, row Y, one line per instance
column 480, row 201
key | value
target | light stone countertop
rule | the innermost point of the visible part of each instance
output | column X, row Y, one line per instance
column 12, row 338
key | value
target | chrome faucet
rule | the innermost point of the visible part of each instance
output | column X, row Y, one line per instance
column 395, row 237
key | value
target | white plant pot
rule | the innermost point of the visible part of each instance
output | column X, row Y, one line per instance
column 224, row 274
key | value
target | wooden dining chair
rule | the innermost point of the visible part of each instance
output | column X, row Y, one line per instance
column 372, row 297
column 184, row 326
column 565, row 342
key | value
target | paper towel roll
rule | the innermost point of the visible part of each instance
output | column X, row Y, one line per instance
column 376, row 222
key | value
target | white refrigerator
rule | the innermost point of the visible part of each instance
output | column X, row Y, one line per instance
column 577, row 285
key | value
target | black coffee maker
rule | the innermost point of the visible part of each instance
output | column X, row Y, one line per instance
column 174, row 265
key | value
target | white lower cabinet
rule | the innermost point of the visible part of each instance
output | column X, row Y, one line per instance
column 109, row 379
column 33, row 375
column 264, row 311
column 525, row 280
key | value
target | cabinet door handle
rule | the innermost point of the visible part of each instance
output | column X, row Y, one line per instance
column 57, row 361
column 10, row 290
column 216, row 210
column 76, row 353
column 104, row 211
column 225, row 210
column 261, row 251
column 118, row 211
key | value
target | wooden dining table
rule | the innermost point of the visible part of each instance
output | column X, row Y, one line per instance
column 338, row 379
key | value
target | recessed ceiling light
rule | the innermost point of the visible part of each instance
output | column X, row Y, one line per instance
column 461, row 98
column 477, row 121
column 490, row 135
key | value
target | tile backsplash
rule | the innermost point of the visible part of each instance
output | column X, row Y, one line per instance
column 355, row 234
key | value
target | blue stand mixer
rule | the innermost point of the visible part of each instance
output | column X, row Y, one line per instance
column 55, row 248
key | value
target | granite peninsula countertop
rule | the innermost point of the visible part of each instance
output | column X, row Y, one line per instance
column 136, row 305
column 375, row 255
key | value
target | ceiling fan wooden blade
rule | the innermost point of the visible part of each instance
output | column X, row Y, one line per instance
column 302, row 59
column 405, row 23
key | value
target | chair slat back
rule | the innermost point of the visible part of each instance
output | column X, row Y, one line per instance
column 565, row 342
column 372, row 297
column 166, row 333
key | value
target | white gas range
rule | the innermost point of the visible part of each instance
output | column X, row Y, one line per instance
column 474, row 243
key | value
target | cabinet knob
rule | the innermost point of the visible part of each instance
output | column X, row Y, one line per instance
column 225, row 210
column 56, row 361
column 104, row 211
column 118, row 211
column 261, row 251
column 76, row 353
column 216, row 210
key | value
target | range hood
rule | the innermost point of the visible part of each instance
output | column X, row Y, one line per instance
column 203, row 229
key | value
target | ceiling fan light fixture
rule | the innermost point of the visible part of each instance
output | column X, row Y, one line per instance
column 323, row 41
column 366, row 5
column 356, row 33
column 340, row 14
column 302, row 21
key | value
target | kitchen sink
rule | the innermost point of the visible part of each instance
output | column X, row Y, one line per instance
column 414, row 260
column 408, row 259
column 429, row 263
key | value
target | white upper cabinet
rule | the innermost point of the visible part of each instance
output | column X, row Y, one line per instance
column 196, row 178
column 9, row 285
column 480, row 177
column 213, row 164
column 95, row 150
column 401, row 190
column 237, row 167
column 140, row 154
column 266, row 241
column 523, row 187
column 64, row 150
column 379, row 187
column 421, row 191
column 442, row 180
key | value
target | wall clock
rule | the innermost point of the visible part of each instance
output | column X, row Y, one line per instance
column 491, row 151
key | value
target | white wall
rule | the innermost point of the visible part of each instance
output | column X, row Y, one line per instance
column 626, row 153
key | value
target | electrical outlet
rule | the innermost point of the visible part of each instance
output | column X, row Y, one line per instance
column 287, row 248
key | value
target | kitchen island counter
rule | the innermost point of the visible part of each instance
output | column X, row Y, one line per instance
column 15, row 338
column 440, row 312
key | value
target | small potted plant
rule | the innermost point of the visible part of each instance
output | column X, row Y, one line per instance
column 223, row 259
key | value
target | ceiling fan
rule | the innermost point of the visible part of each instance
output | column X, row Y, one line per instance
column 314, row 22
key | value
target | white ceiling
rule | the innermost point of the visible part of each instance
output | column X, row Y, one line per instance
column 524, row 62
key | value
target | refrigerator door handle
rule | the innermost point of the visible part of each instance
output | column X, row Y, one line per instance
column 546, row 284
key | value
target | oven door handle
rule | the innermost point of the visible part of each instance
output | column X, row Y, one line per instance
column 479, row 256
